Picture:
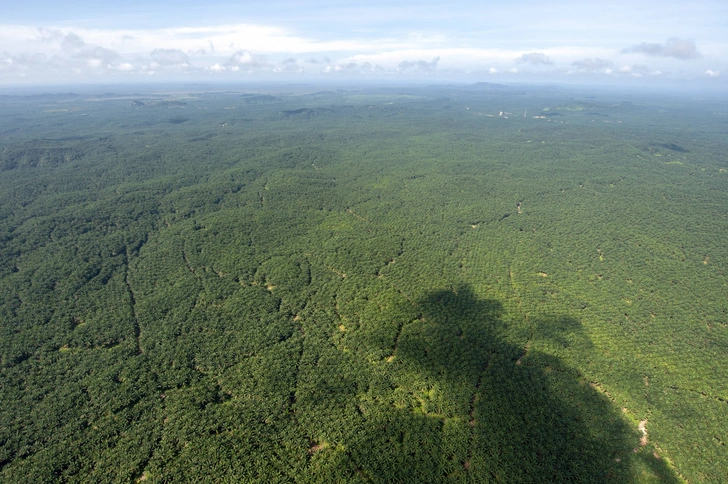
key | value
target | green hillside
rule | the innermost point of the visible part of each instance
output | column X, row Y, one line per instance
column 371, row 285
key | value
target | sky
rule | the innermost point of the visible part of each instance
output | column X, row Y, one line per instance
column 521, row 41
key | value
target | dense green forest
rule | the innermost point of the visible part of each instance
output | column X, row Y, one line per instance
column 454, row 283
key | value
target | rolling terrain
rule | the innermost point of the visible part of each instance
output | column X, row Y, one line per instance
column 462, row 284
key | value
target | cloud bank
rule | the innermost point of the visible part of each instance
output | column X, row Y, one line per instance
column 239, row 51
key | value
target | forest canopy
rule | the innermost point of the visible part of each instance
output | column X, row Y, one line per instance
column 363, row 285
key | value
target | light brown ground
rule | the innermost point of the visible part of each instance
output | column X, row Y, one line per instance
column 317, row 447
column 643, row 428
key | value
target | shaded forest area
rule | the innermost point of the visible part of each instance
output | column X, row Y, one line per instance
column 462, row 284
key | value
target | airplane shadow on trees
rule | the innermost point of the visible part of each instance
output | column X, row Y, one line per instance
column 463, row 404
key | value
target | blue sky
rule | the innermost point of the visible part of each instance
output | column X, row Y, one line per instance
column 636, row 42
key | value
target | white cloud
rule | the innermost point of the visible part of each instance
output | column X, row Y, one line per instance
column 290, row 66
column 449, row 58
column 354, row 68
column 69, row 41
column 638, row 70
column 592, row 64
column 635, row 70
column 170, row 57
column 245, row 58
column 124, row 66
column 677, row 48
column 535, row 58
column 23, row 59
column 712, row 73
column 419, row 65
